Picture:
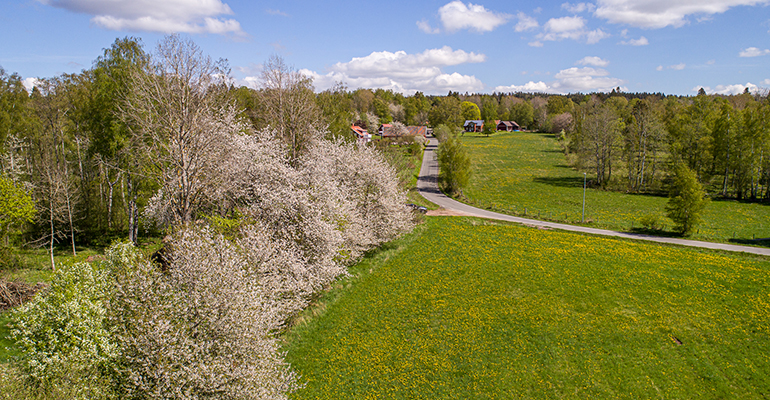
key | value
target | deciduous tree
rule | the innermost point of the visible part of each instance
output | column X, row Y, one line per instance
column 470, row 111
column 289, row 104
column 687, row 200
column 454, row 166
column 184, row 122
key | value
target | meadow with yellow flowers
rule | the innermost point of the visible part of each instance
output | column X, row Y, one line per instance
column 526, row 172
column 466, row 308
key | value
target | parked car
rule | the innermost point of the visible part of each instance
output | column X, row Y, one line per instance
column 417, row 208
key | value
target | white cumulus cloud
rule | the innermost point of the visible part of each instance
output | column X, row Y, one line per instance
column 570, row 28
column 654, row 14
column 424, row 26
column 167, row 16
column 457, row 15
column 30, row 83
column 585, row 80
column 565, row 24
column 728, row 89
column 754, row 52
column 596, row 35
column 571, row 80
column 529, row 87
column 642, row 41
column 403, row 72
column 526, row 23
column 578, row 7
column 594, row 61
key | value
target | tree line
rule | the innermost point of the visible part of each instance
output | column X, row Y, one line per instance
column 72, row 147
column 636, row 145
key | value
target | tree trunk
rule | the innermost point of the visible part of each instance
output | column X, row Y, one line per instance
column 132, row 211
column 109, row 198
column 72, row 227
column 50, row 219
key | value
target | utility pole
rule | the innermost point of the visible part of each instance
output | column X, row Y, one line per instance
column 583, row 218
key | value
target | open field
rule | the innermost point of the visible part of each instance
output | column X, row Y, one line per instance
column 465, row 308
column 522, row 171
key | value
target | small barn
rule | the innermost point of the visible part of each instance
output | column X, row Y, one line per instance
column 508, row 126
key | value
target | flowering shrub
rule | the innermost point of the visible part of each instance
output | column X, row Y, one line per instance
column 63, row 336
column 204, row 329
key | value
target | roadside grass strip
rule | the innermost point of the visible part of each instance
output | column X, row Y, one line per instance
column 520, row 172
column 467, row 308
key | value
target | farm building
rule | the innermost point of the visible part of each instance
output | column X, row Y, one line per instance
column 418, row 131
column 508, row 126
column 361, row 133
column 473, row 125
column 398, row 130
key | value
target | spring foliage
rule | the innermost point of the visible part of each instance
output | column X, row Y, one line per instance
column 687, row 200
column 16, row 206
column 454, row 164
column 286, row 223
column 63, row 335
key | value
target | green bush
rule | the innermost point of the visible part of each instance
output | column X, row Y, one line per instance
column 16, row 208
column 62, row 335
column 454, row 166
column 651, row 222
column 687, row 200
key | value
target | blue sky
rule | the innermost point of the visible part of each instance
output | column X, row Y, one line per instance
column 670, row 46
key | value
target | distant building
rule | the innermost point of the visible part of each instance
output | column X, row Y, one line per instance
column 361, row 133
column 473, row 125
column 508, row 126
column 418, row 131
column 387, row 130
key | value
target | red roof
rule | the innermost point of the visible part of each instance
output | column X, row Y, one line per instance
column 359, row 131
column 417, row 130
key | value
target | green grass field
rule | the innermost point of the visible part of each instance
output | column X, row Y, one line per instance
column 522, row 171
column 465, row 308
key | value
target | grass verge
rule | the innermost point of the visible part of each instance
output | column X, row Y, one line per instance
column 467, row 308
column 522, row 173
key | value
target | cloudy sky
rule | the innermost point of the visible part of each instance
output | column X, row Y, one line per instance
column 670, row 46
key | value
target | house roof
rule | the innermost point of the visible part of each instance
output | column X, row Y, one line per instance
column 417, row 130
column 511, row 124
column 387, row 130
column 474, row 122
column 359, row 131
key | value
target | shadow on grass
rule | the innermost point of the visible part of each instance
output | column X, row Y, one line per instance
column 752, row 242
column 576, row 181
column 647, row 194
column 656, row 232
column 763, row 202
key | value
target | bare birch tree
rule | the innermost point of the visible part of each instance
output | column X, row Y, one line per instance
column 183, row 116
column 289, row 103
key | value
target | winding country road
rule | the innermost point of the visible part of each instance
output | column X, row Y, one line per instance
column 427, row 185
